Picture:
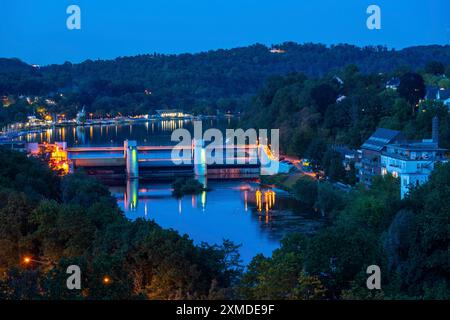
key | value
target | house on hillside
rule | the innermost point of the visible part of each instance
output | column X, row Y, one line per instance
column 431, row 93
column 277, row 51
column 370, row 163
column 438, row 94
column 413, row 162
column 340, row 98
column 444, row 96
column 338, row 80
column 348, row 156
column 393, row 84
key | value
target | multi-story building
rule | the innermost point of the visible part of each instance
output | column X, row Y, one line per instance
column 412, row 162
column 369, row 165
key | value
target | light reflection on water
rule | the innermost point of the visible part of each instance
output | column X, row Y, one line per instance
column 231, row 210
column 145, row 133
column 240, row 211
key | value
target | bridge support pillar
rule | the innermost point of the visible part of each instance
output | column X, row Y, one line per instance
column 131, row 159
column 199, row 157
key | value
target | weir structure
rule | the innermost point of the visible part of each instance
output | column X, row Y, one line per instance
column 133, row 161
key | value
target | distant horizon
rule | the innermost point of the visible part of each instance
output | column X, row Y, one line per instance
column 231, row 48
column 36, row 32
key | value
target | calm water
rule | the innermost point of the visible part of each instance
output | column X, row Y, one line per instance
column 145, row 133
column 229, row 211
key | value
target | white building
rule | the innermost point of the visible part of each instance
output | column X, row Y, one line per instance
column 413, row 162
column 393, row 84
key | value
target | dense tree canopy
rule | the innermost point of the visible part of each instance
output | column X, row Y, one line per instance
column 407, row 239
column 412, row 87
column 203, row 82
column 76, row 221
column 316, row 115
column 435, row 68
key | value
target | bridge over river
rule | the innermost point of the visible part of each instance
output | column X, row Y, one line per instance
column 132, row 161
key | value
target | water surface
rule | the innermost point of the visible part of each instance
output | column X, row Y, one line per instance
column 231, row 209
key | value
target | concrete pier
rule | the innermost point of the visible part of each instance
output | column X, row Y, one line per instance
column 131, row 159
column 199, row 158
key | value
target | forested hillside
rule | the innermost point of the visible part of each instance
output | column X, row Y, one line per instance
column 204, row 82
column 315, row 114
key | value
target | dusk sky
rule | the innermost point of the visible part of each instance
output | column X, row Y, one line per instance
column 36, row 32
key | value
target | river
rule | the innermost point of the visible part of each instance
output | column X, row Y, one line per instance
column 230, row 209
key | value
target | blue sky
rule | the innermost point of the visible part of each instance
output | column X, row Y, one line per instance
column 35, row 30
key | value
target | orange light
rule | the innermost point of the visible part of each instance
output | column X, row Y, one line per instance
column 27, row 260
column 106, row 280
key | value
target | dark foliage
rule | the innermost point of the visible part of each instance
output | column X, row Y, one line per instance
column 203, row 82
column 86, row 228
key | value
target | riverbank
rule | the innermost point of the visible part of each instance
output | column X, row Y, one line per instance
column 284, row 181
column 17, row 130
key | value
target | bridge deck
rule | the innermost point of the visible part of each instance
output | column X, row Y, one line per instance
column 154, row 148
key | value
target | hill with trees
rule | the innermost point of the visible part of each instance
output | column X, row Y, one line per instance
column 343, row 108
column 201, row 82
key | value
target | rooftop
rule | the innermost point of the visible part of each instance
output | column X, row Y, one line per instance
column 444, row 94
column 431, row 151
column 393, row 82
column 380, row 139
column 436, row 93
column 431, row 92
column 417, row 146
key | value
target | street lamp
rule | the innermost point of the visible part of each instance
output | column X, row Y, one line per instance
column 106, row 280
column 27, row 260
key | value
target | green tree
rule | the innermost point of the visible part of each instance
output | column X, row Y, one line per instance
column 428, row 264
column 412, row 88
column 305, row 190
column 332, row 164
column 323, row 95
column 329, row 201
column 309, row 288
column 435, row 67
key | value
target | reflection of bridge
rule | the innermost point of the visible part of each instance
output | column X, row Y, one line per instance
column 133, row 161
column 262, row 199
